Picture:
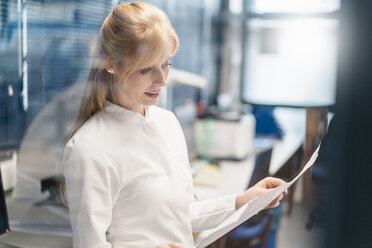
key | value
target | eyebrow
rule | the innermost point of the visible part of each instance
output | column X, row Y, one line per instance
column 169, row 58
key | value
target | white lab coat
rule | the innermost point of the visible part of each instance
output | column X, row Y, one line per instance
column 128, row 182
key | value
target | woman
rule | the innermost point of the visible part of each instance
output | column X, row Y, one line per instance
column 125, row 166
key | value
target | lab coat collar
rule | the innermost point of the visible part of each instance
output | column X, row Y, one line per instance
column 126, row 114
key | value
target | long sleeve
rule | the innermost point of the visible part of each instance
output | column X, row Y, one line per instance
column 203, row 214
column 208, row 214
column 92, row 188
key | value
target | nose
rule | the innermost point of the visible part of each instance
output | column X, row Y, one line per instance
column 160, row 78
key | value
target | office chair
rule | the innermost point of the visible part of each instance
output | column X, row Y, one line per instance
column 261, row 167
column 254, row 232
column 266, row 123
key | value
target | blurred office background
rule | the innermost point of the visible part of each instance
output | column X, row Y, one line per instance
column 45, row 48
column 254, row 56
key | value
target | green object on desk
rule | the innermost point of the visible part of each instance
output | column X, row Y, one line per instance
column 207, row 138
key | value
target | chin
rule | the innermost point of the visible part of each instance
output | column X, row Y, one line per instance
column 151, row 102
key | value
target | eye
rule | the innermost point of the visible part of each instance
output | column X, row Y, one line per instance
column 166, row 65
column 145, row 70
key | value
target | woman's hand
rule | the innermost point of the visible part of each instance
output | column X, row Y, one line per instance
column 170, row 245
column 264, row 186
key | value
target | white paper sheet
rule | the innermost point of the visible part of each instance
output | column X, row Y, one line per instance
column 248, row 210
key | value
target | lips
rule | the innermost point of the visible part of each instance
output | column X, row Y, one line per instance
column 152, row 94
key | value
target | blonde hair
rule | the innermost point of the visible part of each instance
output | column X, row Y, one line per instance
column 132, row 36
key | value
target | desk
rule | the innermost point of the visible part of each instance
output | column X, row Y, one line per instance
column 236, row 178
column 238, row 174
column 29, row 240
column 293, row 122
column 36, row 226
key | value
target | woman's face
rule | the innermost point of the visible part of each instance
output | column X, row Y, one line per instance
column 143, row 86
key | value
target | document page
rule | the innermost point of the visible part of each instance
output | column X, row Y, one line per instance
column 248, row 210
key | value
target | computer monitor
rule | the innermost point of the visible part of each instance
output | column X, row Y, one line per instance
column 4, row 221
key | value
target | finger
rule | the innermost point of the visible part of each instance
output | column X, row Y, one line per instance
column 275, row 205
column 276, row 201
column 175, row 245
column 269, row 206
column 279, row 198
column 273, row 182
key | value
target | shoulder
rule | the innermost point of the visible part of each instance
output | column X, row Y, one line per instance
column 95, row 131
column 86, row 142
column 84, row 157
